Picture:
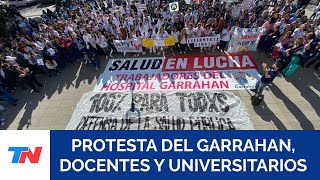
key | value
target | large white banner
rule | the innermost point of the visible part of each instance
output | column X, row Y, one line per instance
column 204, row 41
column 131, row 45
column 218, row 72
column 245, row 39
column 158, row 110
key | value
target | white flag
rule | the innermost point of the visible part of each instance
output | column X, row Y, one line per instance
column 174, row 6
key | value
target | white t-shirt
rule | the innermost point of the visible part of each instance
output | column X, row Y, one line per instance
column 183, row 40
column 190, row 32
column 297, row 33
column 225, row 35
column 176, row 36
column 198, row 32
column 162, row 36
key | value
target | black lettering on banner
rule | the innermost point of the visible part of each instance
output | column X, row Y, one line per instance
column 146, row 123
column 107, row 107
column 222, row 98
column 106, row 102
column 212, row 102
column 156, row 64
column 198, row 102
column 164, row 102
column 222, row 120
column 145, row 102
column 181, row 97
column 95, row 103
column 169, row 123
column 111, row 123
column 125, row 65
column 117, row 106
column 143, row 66
column 194, row 123
column 115, row 65
column 231, row 126
column 154, row 102
column 125, row 124
column 212, row 123
column 180, row 124
column 202, row 102
column 151, row 102
column 193, row 107
column 156, row 123
column 82, row 123
column 133, row 65
column 137, row 99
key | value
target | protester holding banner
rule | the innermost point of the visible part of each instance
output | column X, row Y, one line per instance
column 270, row 39
column 151, row 35
column 226, row 33
column 207, row 32
column 175, row 33
column 162, row 34
column 198, row 32
column 183, row 37
column 140, row 37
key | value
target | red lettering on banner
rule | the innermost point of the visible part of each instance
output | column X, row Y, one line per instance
column 251, row 36
column 178, row 85
column 216, row 62
column 196, row 85
column 138, row 77
column 105, row 86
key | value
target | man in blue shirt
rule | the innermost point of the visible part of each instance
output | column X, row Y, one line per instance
column 269, row 74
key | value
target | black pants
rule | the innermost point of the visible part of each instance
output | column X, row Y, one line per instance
column 32, row 81
column 222, row 45
column 183, row 47
column 175, row 47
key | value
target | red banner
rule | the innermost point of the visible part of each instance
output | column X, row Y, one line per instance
column 203, row 63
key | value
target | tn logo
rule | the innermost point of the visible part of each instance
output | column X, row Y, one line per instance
column 21, row 153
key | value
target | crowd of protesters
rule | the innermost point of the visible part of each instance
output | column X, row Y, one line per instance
column 85, row 30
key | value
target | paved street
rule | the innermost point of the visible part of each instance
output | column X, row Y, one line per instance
column 291, row 103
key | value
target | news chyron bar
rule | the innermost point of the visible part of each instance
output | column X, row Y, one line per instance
column 61, row 155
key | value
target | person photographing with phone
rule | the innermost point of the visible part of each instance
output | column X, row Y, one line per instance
column 269, row 74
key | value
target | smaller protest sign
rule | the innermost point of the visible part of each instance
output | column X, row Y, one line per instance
column 141, row 7
column 204, row 41
column 174, row 6
column 245, row 39
column 131, row 45
column 165, row 42
column 158, row 42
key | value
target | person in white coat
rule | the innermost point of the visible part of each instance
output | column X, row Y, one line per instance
column 151, row 35
column 162, row 34
column 175, row 33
